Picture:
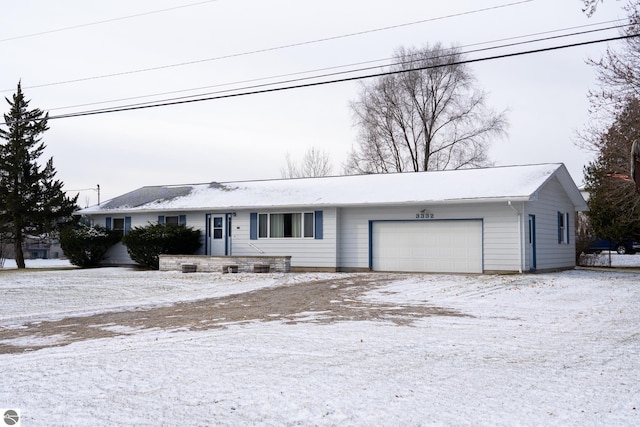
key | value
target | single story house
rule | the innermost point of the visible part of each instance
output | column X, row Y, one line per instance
column 498, row 219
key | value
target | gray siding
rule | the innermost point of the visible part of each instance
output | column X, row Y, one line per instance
column 118, row 255
column 549, row 253
column 304, row 252
column 501, row 244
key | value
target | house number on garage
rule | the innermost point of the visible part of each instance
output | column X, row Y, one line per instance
column 424, row 215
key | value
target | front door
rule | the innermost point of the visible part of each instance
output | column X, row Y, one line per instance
column 532, row 242
column 218, row 234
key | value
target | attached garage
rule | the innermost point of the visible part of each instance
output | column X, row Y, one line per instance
column 436, row 246
column 501, row 219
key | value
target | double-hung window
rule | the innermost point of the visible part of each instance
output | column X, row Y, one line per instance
column 123, row 225
column 286, row 225
column 563, row 227
column 118, row 224
column 171, row 220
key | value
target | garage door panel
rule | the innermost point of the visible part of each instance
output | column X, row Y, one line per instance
column 427, row 246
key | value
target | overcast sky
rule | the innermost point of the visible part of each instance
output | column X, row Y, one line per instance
column 73, row 52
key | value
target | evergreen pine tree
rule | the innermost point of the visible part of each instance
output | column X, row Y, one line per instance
column 31, row 200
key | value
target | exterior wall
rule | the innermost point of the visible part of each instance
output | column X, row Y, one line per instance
column 117, row 255
column 549, row 253
column 304, row 252
column 501, row 241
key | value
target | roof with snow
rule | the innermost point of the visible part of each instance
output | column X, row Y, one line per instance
column 507, row 183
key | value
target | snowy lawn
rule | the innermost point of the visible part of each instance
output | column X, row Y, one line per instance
column 547, row 349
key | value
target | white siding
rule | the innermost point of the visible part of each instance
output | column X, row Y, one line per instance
column 549, row 253
column 304, row 252
column 501, row 241
column 118, row 253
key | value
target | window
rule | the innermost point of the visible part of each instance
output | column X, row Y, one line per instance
column 122, row 225
column 286, row 225
column 563, row 227
column 118, row 224
column 308, row 224
column 263, row 228
column 171, row 220
column 217, row 227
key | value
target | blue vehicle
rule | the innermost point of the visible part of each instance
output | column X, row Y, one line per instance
column 624, row 246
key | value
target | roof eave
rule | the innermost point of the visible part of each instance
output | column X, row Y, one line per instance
column 501, row 199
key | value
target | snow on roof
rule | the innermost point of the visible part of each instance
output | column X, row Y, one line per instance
column 508, row 183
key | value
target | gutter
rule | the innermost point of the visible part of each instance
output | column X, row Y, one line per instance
column 150, row 209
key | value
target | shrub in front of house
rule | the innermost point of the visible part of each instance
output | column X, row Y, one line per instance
column 145, row 244
column 86, row 246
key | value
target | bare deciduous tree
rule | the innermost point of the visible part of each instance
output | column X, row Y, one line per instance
column 315, row 163
column 619, row 69
column 618, row 80
column 590, row 6
column 427, row 116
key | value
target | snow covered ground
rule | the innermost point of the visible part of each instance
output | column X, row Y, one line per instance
column 606, row 259
column 548, row 349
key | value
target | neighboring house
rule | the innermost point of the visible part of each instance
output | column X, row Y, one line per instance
column 502, row 219
column 35, row 247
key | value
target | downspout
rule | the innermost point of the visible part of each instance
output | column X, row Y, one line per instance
column 520, row 233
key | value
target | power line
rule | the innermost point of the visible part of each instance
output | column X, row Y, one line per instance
column 354, row 64
column 341, row 80
column 106, row 21
column 271, row 49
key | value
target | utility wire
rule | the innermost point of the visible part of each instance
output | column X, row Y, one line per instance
column 443, row 54
column 106, row 21
column 271, row 49
column 341, row 80
column 375, row 61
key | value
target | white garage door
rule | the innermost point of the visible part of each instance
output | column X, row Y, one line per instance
column 427, row 246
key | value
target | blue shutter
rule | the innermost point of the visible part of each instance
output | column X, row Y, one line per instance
column 108, row 223
column 127, row 224
column 559, row 227
column 253, row 226
column 318, row 232
column 160, row 219
column 566, row 225
column 182, row 220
